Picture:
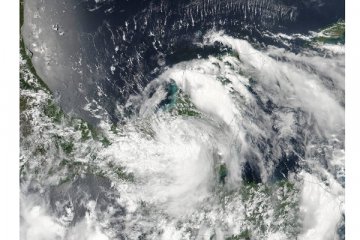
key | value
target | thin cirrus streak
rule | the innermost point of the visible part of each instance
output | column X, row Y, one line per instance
column 82, row 49
column 272, row 117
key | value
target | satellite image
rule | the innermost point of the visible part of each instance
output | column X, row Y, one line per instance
column 182, row 119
